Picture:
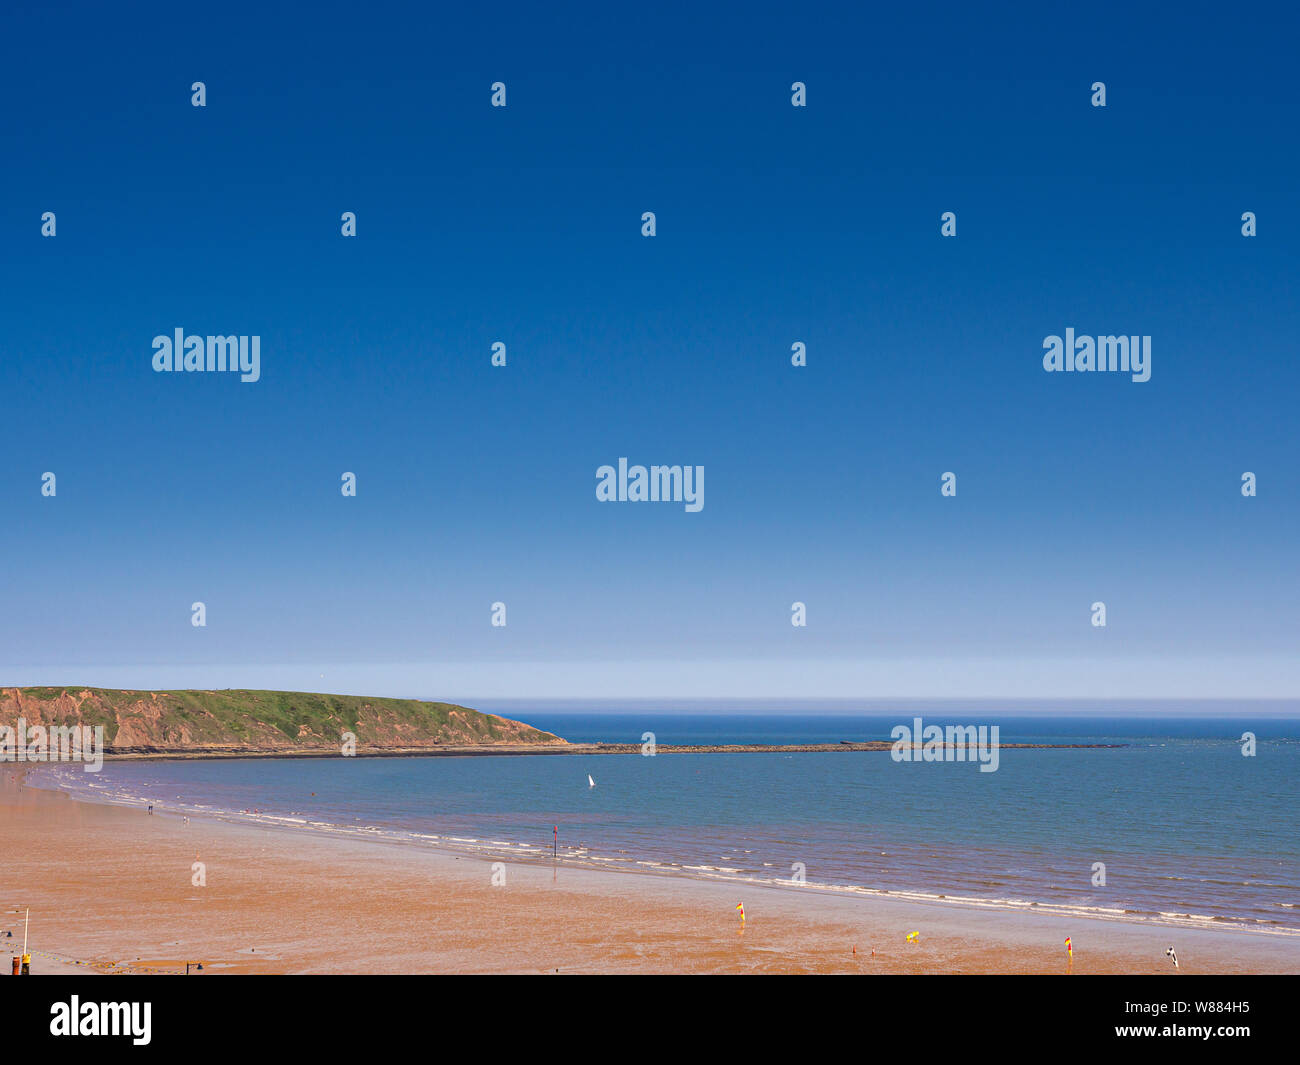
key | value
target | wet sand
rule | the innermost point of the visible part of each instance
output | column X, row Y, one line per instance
column 110, row 889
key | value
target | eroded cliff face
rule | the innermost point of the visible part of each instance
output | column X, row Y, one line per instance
column 238, row 720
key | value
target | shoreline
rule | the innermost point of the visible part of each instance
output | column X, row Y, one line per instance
column 134, row 870
column 567, row 748
column 580, row 857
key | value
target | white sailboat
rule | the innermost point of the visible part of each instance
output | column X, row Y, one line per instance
column 590, row 783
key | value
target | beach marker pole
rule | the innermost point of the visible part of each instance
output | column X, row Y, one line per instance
column 555, row 843
column 27, row 958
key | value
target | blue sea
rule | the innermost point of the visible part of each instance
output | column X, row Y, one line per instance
column 1188, row 829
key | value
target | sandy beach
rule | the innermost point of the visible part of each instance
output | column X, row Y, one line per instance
column 110, row 890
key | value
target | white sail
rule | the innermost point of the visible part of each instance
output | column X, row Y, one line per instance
column 590, row 783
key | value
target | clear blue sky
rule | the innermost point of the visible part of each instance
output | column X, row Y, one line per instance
column 775, row 225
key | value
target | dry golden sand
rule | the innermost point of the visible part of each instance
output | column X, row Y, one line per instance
column 110, row 890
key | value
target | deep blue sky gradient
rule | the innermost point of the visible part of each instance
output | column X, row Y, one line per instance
column 775, row 224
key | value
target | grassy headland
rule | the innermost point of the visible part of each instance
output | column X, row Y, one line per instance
column 233, row 720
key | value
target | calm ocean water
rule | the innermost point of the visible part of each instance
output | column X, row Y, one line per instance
column 1185, row 824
